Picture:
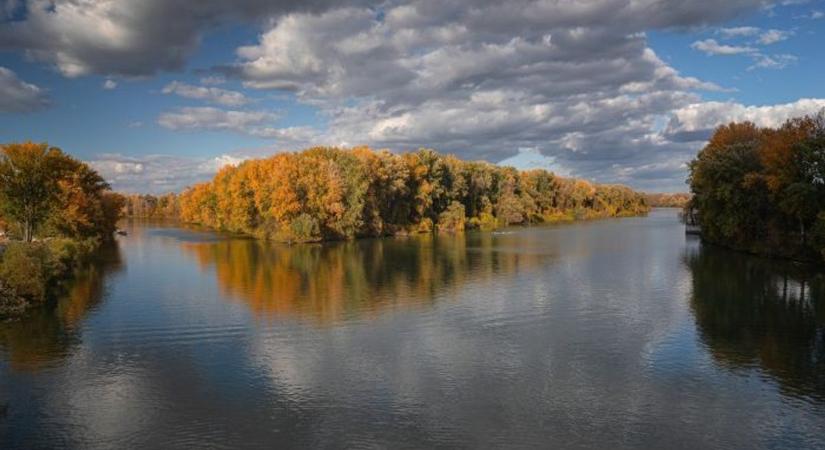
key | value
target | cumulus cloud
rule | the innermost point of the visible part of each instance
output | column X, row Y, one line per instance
column 697, row 121
column 209, row 94
column 577, row 86
column 574, row 82
column 126, row 37
column 738, row 32
column 773, row 36
column 158, row 173
column 17, row 96
column 712, row 47
column 109, row 84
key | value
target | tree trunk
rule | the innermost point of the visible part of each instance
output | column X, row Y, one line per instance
column 28, row 233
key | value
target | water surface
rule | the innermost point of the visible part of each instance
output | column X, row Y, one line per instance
column 617, row 333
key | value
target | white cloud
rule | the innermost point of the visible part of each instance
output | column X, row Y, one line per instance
column 699, row 119
column 772, row 61
column 712, row 47
column 109, row 84
column 210, row 118
column 126, row 37
column 578, row 87
column 773, row 36
column 17, row 96
column 213, row 80
column 158, row 173
column 738, row 32
column 575, row 81
column 209, row 94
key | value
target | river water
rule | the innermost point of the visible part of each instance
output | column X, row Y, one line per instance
column 620, row 333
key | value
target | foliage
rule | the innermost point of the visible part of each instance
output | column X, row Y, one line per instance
column 763, row 189
column 330, row 193
column 64, row 204
column 46, row 192
column 453, row 218
column 665, row 200
column 11, row 304
column 166, row 206
column 32, row 270
column 28, row 184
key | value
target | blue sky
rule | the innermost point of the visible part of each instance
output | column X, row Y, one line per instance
column 158, row 95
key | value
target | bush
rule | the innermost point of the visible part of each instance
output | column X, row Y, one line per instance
column 31, row 271
column 26, row 269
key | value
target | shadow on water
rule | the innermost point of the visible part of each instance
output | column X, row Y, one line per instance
column 347, row 280
column 758, row 313
column 48, row 334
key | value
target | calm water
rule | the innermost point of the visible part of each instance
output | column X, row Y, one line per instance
column 617, row 333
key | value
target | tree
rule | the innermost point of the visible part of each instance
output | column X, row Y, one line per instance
column 29, row 176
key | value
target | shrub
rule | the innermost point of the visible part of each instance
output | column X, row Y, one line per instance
column 32, row 270
column 26, row 269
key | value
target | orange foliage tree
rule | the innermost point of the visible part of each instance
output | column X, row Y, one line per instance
column 330, row 193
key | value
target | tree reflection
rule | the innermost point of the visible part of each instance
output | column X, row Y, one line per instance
column 335, row 281
column 48, row 334
column 753, row 312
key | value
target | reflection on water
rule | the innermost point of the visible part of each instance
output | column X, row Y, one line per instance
column 346, row 280
column 754, row 312
column 49, row 333
column 617, row 333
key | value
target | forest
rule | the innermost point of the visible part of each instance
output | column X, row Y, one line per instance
column 336, row 194
column 668, row 200
column 54, row 212
column 762, row 190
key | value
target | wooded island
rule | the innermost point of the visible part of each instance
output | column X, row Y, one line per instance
column 330, row 193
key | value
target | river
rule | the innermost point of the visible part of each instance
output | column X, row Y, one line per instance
column 620, row 333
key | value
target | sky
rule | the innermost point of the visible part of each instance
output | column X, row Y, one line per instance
column 159, row 94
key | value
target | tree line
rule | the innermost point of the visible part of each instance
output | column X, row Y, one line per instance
column 54, row 211
column 762, row 189
column 668, row 200
column 331, row 194
column 147, row 206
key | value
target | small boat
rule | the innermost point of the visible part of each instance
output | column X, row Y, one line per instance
column 122, row 233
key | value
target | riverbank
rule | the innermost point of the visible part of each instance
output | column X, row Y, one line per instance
column 761, row 190
column 32, row 273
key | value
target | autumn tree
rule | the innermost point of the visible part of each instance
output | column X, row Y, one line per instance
column 763, row 189
column 330, row 193
column 29, row 177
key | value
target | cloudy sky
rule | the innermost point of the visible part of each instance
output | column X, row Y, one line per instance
column 158, row 94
